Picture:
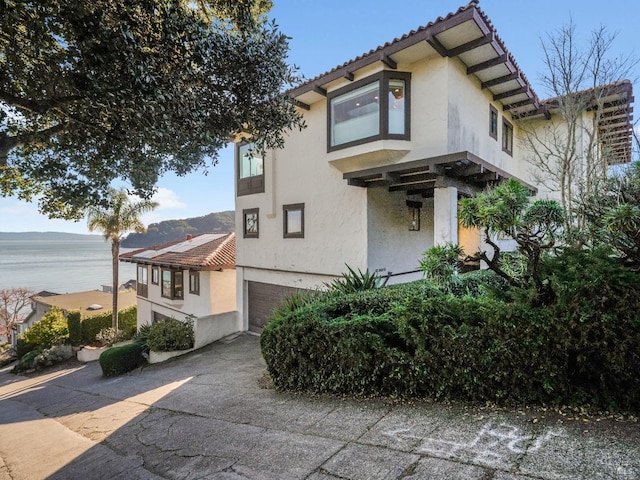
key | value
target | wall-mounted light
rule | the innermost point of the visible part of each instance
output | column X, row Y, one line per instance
column 414, row 215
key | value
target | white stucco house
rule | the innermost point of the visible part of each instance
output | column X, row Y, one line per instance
column 394, row 138
column 192, row 277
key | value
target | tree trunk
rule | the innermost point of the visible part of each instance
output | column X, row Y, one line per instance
column 115, row 253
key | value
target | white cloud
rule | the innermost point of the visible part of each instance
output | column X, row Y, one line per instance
column 167, row 200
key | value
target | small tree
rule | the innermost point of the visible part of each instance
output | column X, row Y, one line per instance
column 117, row 218
column 49, row 331
column 613, row 215
column 507, row 212
column 14, row 308
column 441, row 262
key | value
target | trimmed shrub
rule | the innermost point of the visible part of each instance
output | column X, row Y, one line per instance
column 23, row 347
column 91, row 326
column 118, row 360
column 415, row 341
column 75, row 327
column 50, row 330
column 40, row 358
column 169, row 335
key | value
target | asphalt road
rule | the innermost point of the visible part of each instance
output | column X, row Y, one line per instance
column 211, row 415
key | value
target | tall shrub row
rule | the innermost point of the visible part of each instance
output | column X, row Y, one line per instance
column 91, row 326
column 416, row 341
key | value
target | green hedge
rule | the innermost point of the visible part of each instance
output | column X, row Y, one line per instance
column 91, row 326
column 414, row 341
column 118, row 360
column 169, row 335
column 74, row 324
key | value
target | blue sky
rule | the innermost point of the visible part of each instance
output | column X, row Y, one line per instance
column 327, row 33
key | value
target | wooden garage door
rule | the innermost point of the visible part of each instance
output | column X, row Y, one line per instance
column 263, row 299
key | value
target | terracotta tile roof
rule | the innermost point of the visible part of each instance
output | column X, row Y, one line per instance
column 374, row 53
column 211, row 251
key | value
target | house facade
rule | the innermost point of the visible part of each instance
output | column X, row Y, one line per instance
column 394, row 139
column 191, row 277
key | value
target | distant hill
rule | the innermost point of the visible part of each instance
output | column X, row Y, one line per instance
column 45, row 236
column 170, row 230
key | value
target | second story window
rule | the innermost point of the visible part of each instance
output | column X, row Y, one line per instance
column 371, row 109
column 493, row 122
column 142, row 285
column 172, row 285
column 250, row 170
column 507, row 137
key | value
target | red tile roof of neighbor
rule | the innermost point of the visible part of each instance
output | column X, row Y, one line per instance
column 210, row 251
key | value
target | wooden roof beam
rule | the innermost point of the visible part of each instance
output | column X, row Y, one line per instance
column 504, row 58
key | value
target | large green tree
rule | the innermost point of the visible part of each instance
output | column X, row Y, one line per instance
column 95, row 91
column 114, row 221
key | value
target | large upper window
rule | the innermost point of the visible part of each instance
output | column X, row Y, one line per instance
column 172, row 284
column 370, row 109
column 250, row 170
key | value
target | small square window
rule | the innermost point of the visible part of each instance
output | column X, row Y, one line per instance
column 250, row 221
column 155, row 275
column 293, row 220
column 507, row 137
column 493, row 122
column 194, row 282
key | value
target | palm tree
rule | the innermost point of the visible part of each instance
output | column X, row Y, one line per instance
column 119, row 217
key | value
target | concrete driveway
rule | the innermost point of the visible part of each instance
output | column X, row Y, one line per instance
column 212, row 415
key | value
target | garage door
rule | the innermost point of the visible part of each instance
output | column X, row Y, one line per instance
column 263, row 299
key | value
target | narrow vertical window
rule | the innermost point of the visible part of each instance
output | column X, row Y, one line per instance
column 194, row 282
column 507, row 137
column 493, row 122
column 396, row 107
column 155, row 275
column 142, row 281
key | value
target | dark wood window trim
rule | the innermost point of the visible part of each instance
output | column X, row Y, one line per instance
column 507, row 137
column 194, row 282
column 176, row 284
column 382, row 77
column 155, row 275
column 142, row 280
column 493, row 122
column 285, row 226
column 247, row 185
column 251, row 223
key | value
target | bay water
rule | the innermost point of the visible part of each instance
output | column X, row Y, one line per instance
column 59, row 265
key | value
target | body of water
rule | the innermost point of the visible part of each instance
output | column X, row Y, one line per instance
column 60, row 266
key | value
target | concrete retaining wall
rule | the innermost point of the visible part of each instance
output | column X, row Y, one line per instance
column 214, row 327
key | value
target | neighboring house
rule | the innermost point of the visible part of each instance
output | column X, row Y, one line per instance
column 128, row 285
column 88, row 303
column 394, row 138
column 195, row 277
